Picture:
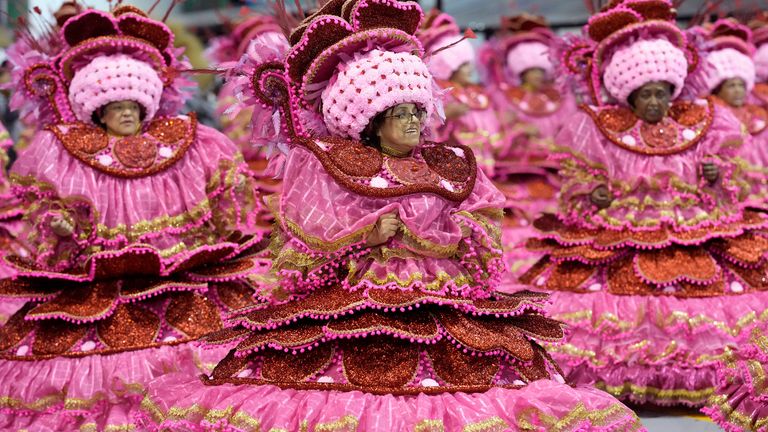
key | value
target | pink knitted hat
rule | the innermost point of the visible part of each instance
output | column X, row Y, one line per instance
column 371, row 83
column 728, row 63
column 644, row 61
column 444, row 63
column 107, row 57
column 729, row 55
column 636, row 42
column 761, row 63
column 529, row 55
column 114, row 78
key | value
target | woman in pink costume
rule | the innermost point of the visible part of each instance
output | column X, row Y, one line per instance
column 759, row 26
column 741, row 400
column 242, row 124
column 387, row 263
column 470, row 118
column 139, row 222
column 523, row 76
column 650, row 258
column 729, row 75
column 531, row 108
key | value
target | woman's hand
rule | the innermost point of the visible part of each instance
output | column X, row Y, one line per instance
column 386, row 228
column 710, row 171
column 61, row 226
column 601, row 197
column 466, row 231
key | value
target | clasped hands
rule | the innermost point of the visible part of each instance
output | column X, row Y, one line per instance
column 601, row 197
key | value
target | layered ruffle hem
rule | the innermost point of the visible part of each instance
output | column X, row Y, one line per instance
column 658, row 287
column 740, row 402
column 116, row 305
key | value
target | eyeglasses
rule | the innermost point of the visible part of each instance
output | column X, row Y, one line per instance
column 420, row 115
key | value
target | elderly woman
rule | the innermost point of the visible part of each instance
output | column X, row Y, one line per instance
column 386, row 264
column 645, row 252
column 729, row 76
column 134, row 218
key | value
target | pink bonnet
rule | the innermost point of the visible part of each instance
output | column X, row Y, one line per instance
column 761, row 63
column 728, row 63
column 114, row 78
column 371, row 83
column 646, row 60
column 529, row 55
column 444, row 63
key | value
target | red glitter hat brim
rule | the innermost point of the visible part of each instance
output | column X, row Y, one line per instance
column 654, row 27
column 324, row 65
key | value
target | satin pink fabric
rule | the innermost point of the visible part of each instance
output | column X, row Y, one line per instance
column 129, row 201
column 323, row 209
column 173, row 191
column 68, row 393
column 274, row 408
column 582, row 138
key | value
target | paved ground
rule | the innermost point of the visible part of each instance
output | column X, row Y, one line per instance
column 675, row 420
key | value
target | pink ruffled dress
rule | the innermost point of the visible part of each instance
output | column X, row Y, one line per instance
column 752, row 157
column 740, row 403
column 401, row 336
column 10, row 214
column 657, row 287
column 161, row 246
column 529, row 123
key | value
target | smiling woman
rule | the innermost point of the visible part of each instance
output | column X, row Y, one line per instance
column 386, row 261
column 396, row 131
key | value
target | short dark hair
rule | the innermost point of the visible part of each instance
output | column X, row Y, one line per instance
column 370, row 135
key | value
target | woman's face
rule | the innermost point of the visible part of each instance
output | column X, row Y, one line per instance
column 121, row 118
column 401, row 128
column 533, row 77
column 651, row 101
column 463, row 75
column 733, row 91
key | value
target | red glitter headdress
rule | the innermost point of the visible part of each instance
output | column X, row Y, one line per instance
column 126, row 31
column 620, row 24
column 327, row 50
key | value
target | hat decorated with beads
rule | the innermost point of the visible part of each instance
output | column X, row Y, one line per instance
column 348, row 62
column 729, row 55
column 352, row 60
column 109, row 57
column 525, row 35
column 637, row 42
column 526, row 44
column 448, row 49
